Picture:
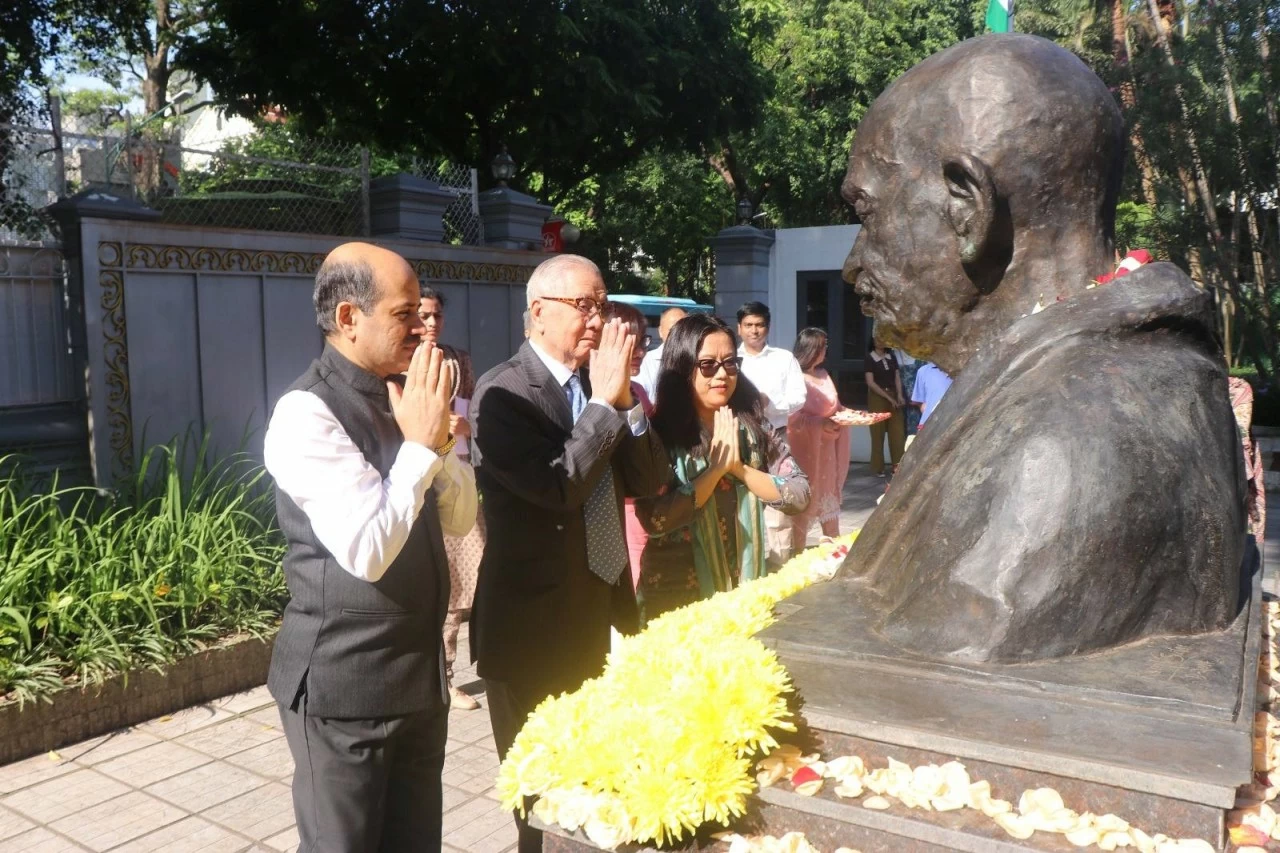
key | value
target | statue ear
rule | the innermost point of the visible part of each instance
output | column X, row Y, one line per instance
column 971, row 204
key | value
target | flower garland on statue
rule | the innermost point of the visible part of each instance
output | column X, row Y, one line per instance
column 1133, row 260
column 661, row 742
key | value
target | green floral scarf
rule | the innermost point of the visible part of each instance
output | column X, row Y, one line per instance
column 714, row 566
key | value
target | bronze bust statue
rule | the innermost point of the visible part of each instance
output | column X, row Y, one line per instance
column 1081, row 484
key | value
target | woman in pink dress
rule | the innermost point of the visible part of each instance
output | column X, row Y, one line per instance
column 631, row 316
column 819, row 445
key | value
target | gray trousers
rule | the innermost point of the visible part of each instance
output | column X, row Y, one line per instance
column 366, row 786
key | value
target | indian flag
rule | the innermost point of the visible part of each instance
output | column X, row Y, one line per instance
column 1000, row 16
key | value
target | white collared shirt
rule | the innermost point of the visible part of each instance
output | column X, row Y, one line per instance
column 360, row 518
column 650, row 368
column 776, row 374
column 636, row 419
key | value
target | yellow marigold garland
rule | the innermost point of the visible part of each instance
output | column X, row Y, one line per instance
column 660, row 743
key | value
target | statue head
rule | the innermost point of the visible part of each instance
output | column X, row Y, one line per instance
column 986, row 180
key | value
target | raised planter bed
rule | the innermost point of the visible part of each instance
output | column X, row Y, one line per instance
column 76, row 713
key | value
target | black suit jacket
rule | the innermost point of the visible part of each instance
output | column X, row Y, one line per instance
column 541, row 618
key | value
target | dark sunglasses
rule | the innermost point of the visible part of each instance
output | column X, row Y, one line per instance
column 709, row 367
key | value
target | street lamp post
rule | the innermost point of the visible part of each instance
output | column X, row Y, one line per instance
column 503, row 167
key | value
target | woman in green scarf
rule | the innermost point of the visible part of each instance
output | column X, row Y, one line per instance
column 706, row 528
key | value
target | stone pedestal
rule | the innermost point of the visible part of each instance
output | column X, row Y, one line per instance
column 512, row 220
column 742, row 267
column 1159, row 733
column 408, row 207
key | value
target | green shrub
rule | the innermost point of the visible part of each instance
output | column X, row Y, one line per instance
column 92, row 584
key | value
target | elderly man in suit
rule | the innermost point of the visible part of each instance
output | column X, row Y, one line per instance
column 559, row 449
column 366, row 484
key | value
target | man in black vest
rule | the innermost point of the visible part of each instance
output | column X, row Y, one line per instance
column 366, row 484
column 559, row 448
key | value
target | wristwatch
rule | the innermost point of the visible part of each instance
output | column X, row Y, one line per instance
column 446, row 447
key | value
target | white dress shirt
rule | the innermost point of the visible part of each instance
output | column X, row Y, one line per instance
column 776, row 374
column 362, row 519
column 650, row 368
column 636, row 420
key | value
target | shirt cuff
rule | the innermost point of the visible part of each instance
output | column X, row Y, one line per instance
column 637, row 421
column 415, row 461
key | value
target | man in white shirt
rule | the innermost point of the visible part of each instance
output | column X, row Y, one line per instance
column 931, row 383
column 366, row 486
column 774, row 371
column 651, row 366
column 780, row 381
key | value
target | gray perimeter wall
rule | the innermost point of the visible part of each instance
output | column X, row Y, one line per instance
column 195, row 329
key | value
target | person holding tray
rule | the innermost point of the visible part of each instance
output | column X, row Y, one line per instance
column 819, row 435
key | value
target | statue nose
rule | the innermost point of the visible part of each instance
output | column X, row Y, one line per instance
column 852, row 266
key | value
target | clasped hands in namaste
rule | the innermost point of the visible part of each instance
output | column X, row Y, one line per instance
column 422, row 408
column 725, row 454
column 611, row 366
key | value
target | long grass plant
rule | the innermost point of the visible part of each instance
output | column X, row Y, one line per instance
column 94, row 583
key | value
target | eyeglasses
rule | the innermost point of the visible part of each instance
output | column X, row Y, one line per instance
column 586, row 306
column 709, row 367
column 644, row 342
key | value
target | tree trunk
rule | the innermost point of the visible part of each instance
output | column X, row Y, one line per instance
column 148, row 151
column 1269, row 85
column 155, row 87
column 1129, row 100
column 1196, row 183
column 1262, row 271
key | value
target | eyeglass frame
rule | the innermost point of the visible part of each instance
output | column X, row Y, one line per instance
column 575, row 302
column 732, row 366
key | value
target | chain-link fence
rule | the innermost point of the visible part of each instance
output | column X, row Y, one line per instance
column 29, row 181
column 271, row 180
column 462, row 223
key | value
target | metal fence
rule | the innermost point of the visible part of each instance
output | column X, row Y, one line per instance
column 272, row 180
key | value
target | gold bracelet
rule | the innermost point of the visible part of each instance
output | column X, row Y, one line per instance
column 446, row 447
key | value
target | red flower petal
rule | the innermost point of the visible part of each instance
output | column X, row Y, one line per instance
column 803, row 774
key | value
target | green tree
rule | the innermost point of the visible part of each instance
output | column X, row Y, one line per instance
column 823, row 62
column 827, row 62
column 37, row 36
column 649, row 223
column 576, row 89
column 1198, row 82
column 140, row 50
column 98, row 110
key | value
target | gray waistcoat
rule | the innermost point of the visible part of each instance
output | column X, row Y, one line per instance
column 360, row 649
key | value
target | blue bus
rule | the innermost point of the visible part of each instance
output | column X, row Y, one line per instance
column 653, row 306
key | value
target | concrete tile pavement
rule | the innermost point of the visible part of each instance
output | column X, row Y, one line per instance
column 215, row 778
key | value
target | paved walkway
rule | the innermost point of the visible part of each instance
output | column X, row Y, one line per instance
column 215, row 778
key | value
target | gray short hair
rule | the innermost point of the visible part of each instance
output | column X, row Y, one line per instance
column 550, row 274
column 343, row 281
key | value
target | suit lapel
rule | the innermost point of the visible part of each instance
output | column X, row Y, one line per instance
column 550, row 397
